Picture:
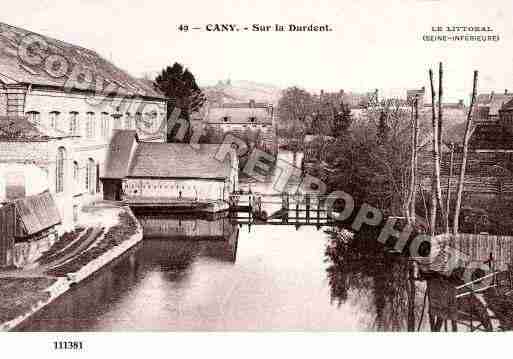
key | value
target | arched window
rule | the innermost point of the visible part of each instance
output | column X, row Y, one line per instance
column 73, row 124
column 60, row 170
column 54, row 119
column 90, row 176
column 90, row 125
column 34, row 117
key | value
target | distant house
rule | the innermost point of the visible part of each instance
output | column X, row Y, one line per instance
column 488, row 106
column 240, row 116
column 164, row 173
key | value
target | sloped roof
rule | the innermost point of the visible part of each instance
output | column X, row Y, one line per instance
column 17, row 128
column 37, row 213
column 14, row 70
column 181, row 160
column 119, row 154
column 508, row 106
column 239, row 115
column 491, row 103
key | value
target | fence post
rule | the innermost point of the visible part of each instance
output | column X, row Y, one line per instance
column 307, row 199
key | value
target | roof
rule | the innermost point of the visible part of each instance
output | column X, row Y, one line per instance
column 173, row 160
column 19, row 128
column 490, row 104
column 37, row 213
column 242, row 115
column 129, row 157
column 13, row 70
column 119, row 154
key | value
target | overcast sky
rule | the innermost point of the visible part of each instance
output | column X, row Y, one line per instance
column 372, row 45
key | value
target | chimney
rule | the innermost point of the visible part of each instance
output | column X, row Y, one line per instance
column 460, row 103
column 505, row 91
column 251, row 103
column 491, row 95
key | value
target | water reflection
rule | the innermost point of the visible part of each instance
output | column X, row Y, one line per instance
column 359, row 265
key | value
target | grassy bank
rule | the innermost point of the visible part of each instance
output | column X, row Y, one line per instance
column 19, row 295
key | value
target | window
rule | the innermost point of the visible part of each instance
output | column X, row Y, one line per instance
column 75, row 171
column 59, row 170
column 73, row 124
column 34, row 117
column 128, row 121
column 252, row 119
column 225, row 118
column 90, row 124
column 117, row 121
column 54, row 119
column 90, row 176
column 138, row 119
column 105, row 124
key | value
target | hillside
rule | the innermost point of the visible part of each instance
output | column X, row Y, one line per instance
column 242, row 91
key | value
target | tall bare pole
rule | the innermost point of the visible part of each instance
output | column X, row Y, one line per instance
column 448, row 198
column 439, row 138
column 466, row 140
column 434, row 157
column 413, row 170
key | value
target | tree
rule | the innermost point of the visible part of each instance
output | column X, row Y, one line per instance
column 179, row 85
column 295, row 106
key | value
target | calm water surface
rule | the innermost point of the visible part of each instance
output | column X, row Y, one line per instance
column 198, row 275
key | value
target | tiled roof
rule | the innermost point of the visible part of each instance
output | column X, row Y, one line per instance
column 13, row 70
column 239, row 115
column 37, row 213
column 19, row 129
column 178, row 160
column 118, row 156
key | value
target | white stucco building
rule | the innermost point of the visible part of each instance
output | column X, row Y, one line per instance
column 59, row 107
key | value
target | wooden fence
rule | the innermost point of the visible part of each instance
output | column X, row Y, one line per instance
column 482, row 247
column 7, row 230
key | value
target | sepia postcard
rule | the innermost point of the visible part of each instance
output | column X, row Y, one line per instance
column 169, row 167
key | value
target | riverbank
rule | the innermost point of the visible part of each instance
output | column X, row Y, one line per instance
column 106, row 232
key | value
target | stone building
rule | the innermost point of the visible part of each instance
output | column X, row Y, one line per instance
column 60, row 104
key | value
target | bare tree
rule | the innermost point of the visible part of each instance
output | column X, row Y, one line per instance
column 448, row 198
column 466, row 140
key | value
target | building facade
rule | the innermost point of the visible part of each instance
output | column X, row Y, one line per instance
column 71, row 100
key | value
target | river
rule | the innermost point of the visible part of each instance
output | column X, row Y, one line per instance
column 197, row 275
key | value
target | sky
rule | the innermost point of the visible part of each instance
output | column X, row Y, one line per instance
column 374, row 44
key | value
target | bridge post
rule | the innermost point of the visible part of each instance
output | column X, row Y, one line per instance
column 250, row 207
column 285, row 200
column 307, row 199
column 318, row 211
